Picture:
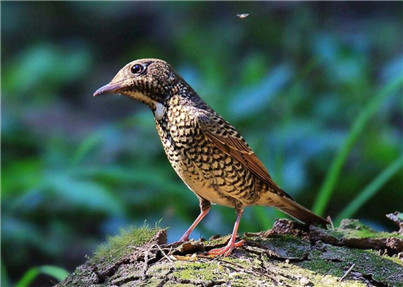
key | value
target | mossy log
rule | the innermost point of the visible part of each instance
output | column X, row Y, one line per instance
column 290, row 254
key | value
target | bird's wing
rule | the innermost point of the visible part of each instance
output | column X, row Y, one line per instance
column 228, row 140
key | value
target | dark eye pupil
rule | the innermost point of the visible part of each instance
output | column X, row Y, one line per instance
column 137, row 69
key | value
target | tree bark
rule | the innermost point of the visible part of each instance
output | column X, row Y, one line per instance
column 290, row 254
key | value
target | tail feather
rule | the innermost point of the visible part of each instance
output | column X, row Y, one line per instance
column 292, row 208
column 301, row 213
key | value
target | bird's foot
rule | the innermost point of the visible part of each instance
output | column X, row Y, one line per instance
column 184, row 238
column 226, row 250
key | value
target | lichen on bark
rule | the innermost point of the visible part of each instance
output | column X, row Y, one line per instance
column 290, row 254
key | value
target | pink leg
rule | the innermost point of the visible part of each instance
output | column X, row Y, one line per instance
column 226, row 250
column 203, row 213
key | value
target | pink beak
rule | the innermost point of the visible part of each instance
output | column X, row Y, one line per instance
column 109, row 88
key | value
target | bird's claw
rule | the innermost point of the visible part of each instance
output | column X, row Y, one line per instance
column 226, row 250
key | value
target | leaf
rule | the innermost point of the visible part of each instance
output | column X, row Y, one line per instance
column 4, row 275
column 31, row 274
column 82, row 193
column 86, row 146
column 255, row 99
column 357, row 128
column 42, row 63
column 370, row 190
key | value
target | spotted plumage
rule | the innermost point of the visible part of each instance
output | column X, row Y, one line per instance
column 207, row 152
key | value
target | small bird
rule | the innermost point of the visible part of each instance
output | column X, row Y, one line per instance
column 206, row 152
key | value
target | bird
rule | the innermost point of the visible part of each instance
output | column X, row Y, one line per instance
column 206, row 151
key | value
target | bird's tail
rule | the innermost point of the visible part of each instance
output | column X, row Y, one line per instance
column 292, row 208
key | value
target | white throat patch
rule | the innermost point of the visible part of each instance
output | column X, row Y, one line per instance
column 160, row 110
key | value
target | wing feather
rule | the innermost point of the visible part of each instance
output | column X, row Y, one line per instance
column 228, row 140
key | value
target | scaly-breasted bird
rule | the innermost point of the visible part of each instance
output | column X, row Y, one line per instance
column 207, row 153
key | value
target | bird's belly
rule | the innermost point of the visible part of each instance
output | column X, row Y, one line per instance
column 207, row 171
column 216, row 182
column 208, row 190
column 212, row 184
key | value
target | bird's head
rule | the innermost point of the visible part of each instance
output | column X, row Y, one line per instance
column 150, row 81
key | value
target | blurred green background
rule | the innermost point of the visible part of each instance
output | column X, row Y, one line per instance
column 315, row 88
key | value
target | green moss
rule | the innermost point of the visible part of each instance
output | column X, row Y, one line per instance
column 218, row 272
column 119, row 245
column 175, row 284
column 286, row 246
column 197, row 270
column 352, row 228
column 284, row 259
column 336, row 260
column 293, row 274
column 241, row 261
column 325, row 267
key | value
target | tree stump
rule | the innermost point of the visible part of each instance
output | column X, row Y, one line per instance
column 290, row 254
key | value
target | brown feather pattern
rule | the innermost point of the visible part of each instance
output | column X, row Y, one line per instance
column 207, row 153
column 234, row 145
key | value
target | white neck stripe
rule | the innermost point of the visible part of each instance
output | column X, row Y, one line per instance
column 160, row 110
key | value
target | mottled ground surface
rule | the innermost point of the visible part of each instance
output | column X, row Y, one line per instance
column 290, row 254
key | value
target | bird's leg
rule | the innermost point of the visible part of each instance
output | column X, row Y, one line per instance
column 204, row 209
column 226, row 250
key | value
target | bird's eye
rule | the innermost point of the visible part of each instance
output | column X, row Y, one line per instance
column 137, row 68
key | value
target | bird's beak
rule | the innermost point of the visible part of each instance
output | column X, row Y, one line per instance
column 109, row 88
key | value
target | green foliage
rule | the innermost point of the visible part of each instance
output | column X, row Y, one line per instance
column 357, row 129
column 56, row 272
column 42, row 63
column 353, row 228
column 4, row 276
column 370, row 190
column 319, row 104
